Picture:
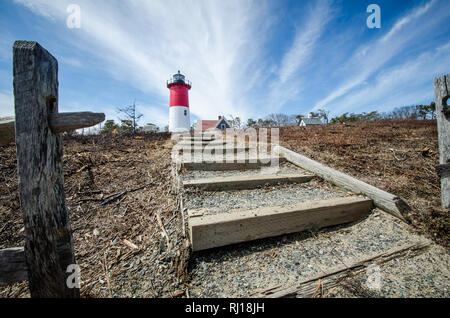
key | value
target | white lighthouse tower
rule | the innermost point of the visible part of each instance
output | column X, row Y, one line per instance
column 179, row 118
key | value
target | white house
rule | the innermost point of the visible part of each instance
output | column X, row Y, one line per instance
column 150, row 128
column 311, row 121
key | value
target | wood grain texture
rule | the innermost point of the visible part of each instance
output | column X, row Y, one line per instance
column 206, row 151
column 235, row 163
column 60, row 122
column 12, row 266
column 442, row 94
column 443, row 170
column 235, row 226
column 40, row 170
column 197, row 138
column 202, row 143
column 382, row 199
column 245, row 182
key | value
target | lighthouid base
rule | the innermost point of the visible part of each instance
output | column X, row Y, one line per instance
column 179, row 119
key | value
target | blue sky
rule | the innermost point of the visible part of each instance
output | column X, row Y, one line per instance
column 245, row 58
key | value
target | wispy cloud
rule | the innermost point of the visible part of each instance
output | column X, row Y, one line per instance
column 41, row 8
column 371, row 57
column 404, row 84
column 211, row 42
column 228, row 49
column 290, row 74
column 305, row 40
column 402, row 22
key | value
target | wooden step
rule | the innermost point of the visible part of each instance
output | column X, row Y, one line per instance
column 197, row 138
column 202, row 143
column 208, row 150
column 237, row 164
column 245, row 182
column 236, row 226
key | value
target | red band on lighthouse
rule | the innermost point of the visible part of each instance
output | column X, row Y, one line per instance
column 179, row 95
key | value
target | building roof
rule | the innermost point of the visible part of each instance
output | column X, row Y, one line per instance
column 222, row 121
column 312, row 121
column 211, row 124
column 206, row 124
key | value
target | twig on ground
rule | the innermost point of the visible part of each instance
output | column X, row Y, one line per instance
column 319, row 283
column 105, row 266
column 396, row 158
column 112, row 197
column 163, row 229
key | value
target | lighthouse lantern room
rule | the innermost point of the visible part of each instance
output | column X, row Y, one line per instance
column 179, row 118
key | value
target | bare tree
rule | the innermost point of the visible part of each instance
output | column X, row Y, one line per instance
column 324, row 114
column 235, row 122
column 279, row 119
column 131, row 115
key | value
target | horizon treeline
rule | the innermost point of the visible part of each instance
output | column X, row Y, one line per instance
column 421, row 112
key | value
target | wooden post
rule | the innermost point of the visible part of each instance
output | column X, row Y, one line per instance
column 49, row 246
column 442, row 94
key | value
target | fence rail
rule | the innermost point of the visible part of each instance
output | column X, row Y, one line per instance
column 58, row 123
column 12, row 266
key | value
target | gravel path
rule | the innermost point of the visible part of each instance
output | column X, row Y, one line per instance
column 284, row 168
column 243, row 269
column 223, row 201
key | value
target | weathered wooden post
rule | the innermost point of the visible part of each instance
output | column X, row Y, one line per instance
column 442, row 94
column 49, row 245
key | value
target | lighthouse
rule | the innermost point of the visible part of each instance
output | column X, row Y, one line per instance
column 179, row 119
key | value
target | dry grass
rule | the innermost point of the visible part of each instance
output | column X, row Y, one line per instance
column 388, row 155
column 108, row 224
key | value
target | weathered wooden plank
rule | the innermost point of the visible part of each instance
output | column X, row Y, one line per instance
column 12, row 266
column 40, row 170
column 198, row 138
column 209, row 231
column 216, row 164
column 245, row 182
column 62, row 122
column 442, row 94
column 58, row 123
column 203, row 143
column 382, row 199
column 207, row 151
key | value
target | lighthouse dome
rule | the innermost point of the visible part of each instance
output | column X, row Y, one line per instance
column 178, row 78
